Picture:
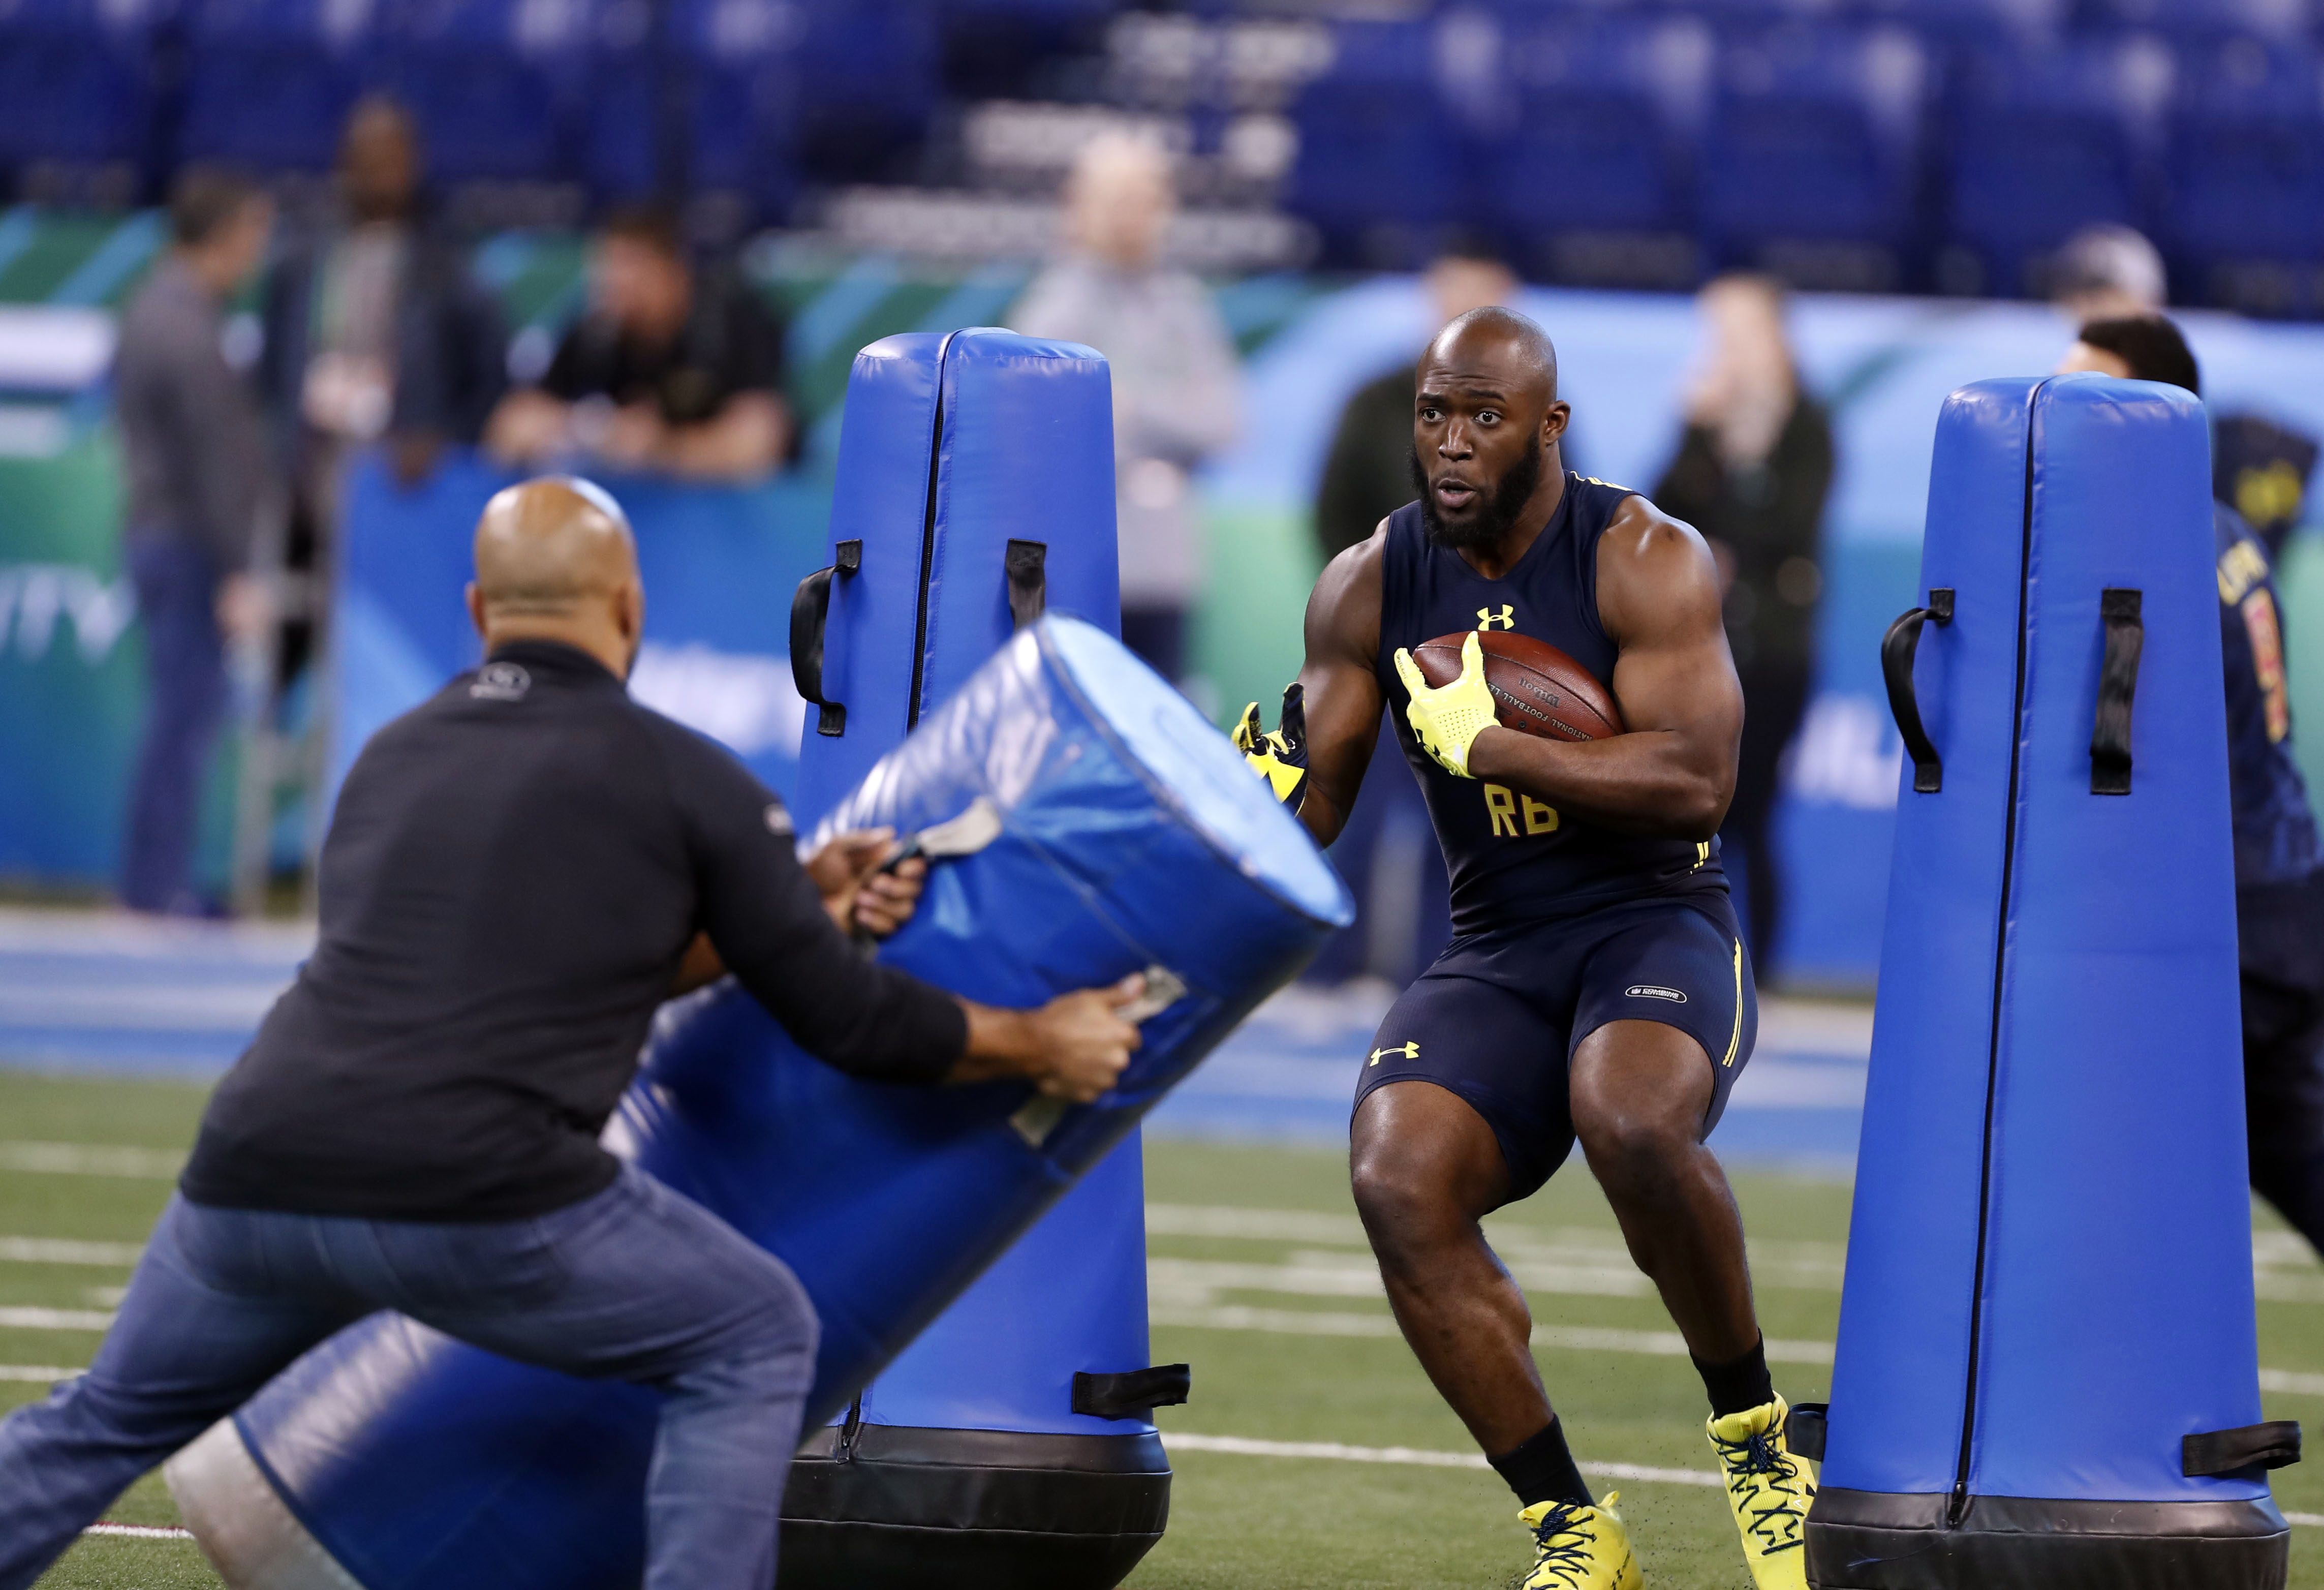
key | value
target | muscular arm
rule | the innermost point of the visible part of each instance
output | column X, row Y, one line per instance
column 1343, row 692
column 1673, row 774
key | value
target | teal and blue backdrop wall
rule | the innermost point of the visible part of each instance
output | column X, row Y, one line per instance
column 720, row 564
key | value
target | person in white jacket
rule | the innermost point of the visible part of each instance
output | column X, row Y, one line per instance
column 1177, row 386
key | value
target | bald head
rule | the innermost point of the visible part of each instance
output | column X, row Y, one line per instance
column 1485, row 428
column 1119, row 199
column 556, row 561
column 1506, row 343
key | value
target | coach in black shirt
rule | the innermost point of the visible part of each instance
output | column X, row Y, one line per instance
column 517, row 874
column 668, row 368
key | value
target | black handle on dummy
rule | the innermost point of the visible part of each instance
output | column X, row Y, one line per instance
column 810, row 611
column 1897, row 648
column 1132, row 1395
column 1804, row 1428
column 1029, row 586
column 2246, row 1452
column 2125, row 638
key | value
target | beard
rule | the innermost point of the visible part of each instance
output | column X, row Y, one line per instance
column 1496, row 515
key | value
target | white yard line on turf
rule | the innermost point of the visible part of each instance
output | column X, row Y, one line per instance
column 78, row 1158
column 39, row 1374
column 1544, row 1259
column 1316, row 1274
column 42, row 1250
column 55, row 1319
column 1412, row 1456
column 1318, row 1322
column 141, row 1531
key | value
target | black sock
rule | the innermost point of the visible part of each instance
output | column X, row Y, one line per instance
column 1740, row 1386
column 1540, row 1469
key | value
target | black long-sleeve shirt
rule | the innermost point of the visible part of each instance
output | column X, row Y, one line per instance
column 1771, row 518
column 512, row 875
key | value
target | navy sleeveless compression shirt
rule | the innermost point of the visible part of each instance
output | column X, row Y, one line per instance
column 1515, row 859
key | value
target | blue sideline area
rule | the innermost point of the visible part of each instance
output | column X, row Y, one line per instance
column 100, row 995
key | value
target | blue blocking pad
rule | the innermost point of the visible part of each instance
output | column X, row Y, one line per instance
column 953, row 446
column 2049, row 1276
column 1125, row 837
column 976, row 488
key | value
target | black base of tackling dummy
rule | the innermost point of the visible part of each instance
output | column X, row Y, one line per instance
column 871, row 1508
column 1865, row 1541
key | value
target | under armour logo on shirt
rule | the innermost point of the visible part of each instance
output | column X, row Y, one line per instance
column 500, row 681
column 1409, row 1050
column 1507, row 617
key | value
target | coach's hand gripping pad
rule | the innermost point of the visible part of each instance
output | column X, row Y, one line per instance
column 1132, row 838
column 2049, row 1269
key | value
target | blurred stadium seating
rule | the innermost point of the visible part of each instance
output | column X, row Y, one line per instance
column 76, row 86
column 267, row 83
column 1918, row 144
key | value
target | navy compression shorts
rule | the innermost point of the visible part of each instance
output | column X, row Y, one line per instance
column 1497, row 1017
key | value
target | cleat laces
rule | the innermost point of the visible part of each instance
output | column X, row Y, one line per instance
column 1760, row 1470
column 1565, row 1541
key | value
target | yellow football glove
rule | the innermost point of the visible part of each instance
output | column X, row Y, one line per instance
column 1449, row 720
column 1280, row 758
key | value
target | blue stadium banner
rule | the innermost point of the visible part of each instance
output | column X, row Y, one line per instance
column 71, row 667
column 720, row 564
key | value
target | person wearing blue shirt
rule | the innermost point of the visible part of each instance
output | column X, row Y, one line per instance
column 2279, row 862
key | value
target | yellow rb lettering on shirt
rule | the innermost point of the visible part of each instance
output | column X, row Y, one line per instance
column 1508, row 809
column 1501, row 806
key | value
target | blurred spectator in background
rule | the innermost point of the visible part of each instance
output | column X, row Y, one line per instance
column 2260, row 468
column 199, row 479
column 373, row 330
column 668, row 369
column 2104, row 273
column 1176, row 387
column 1753, row 468
column 2259, row 465
column 1368, row 475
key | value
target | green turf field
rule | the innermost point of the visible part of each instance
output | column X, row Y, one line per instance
column 1261, row 1283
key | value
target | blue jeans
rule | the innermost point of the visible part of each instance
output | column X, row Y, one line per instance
column 637, row 1283
column 184, row 701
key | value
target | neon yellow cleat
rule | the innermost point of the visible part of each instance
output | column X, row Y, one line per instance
column 1768, row 1490
column 1581, row 1548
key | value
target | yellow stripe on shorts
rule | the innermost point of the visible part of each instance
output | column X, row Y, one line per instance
column 1735, row 1043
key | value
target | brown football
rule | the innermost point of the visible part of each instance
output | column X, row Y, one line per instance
column 1537, row 690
